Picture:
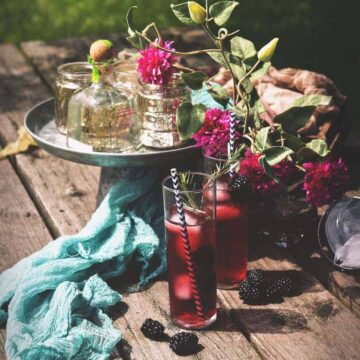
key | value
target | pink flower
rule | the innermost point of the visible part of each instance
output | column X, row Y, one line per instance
column 156, row 66
column 214, row 134
column 325, row 181
column 260, row 183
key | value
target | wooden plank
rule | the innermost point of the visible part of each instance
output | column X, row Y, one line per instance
column 58, row 187
column 221, row 341
column 22, row 230
column 313, row 325
column 343, row 284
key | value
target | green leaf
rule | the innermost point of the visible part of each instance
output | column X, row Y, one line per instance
column 130, row 21
column 235, row 62
column 137, row 41
column 275, row 154
column 312, row 100
column 247, row 86
column 243, row 48
column 262, row 71
column 222, row 10
column 294, row 118
column 261, row 138
column 319, row 146
column 194, row 80
column 189, row 119
column 293, row 141
column 181, row 11
column 219, row 94
column 268, row 169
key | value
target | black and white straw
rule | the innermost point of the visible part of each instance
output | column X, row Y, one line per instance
column 186, row 243
column 232, row 141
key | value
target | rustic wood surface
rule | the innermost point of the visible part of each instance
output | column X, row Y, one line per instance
column 61, row 196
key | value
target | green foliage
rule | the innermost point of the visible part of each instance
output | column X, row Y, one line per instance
column 189, row 119
column 243, row 48
column 219, row 94
column 222, row 10
column 181, row 11
column 194, row 80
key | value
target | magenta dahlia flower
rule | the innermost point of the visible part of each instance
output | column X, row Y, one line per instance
column 214, row 135
column 260, row 183
column 155, row 66
column 325, row 181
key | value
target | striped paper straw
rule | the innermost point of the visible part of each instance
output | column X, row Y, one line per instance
column 186, row 243
column 232, row 141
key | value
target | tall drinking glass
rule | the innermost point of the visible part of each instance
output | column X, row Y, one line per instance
column 191, row 272
column 231, row 229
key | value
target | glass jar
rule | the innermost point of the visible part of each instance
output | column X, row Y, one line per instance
column 191, row 256
column 70, row 78
column 157, row 105
column 125, row 75
column 291, row 220
column 102, row 117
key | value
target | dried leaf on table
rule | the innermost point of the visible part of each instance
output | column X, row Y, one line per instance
column 22, row 143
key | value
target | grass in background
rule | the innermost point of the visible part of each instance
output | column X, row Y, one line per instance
column 314, row 34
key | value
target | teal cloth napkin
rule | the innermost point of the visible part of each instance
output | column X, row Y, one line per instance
column 57, row 297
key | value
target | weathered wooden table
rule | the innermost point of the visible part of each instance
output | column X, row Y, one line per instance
column 42, row 197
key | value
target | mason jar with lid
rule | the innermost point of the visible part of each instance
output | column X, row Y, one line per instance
column 157, row 105
column 70, row 78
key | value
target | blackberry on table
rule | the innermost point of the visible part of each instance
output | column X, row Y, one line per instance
column 272, row 293
column 249, row 293
column 286, row 286
column 152, row 329
column 256, row 277
column 184, row 343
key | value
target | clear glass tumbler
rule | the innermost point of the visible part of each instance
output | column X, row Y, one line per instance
column 231, row 229
column 191, row 272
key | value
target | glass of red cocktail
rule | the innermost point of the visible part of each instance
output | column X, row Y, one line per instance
column 231, row 227
column 191, row 271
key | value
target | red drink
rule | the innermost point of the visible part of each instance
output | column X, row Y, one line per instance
column 201, row 232
column 232, row 237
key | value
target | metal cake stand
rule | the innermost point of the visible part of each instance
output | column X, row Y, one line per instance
column 40, row 123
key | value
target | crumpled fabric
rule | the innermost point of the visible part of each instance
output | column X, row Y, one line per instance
column 57, row 297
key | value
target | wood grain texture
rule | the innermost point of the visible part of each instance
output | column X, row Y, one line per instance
column 22, row 230
column 314, row 325
column 222, row 341
column 57, row 186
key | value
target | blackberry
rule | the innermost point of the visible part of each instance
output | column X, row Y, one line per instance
column 241, row 188
column 256, row 277
column 239, row 182
column 249, row 293
column 184, row 343
column 286, row 286
column 272, row 293
column 152, row 329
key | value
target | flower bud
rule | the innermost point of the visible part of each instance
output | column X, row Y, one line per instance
column 267, row 52
column 101, row 50
column 197, row 12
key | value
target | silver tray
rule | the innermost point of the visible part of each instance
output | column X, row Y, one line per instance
column 40, row 123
